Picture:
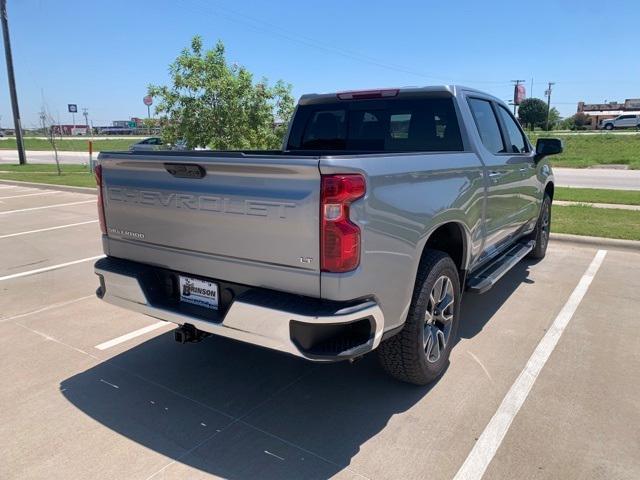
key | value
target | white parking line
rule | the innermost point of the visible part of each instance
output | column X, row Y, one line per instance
column 488, row 443
column 47, row 229
column 47, row 308
column 23, row 190
column 47, row 206
column 128, row 336
column 31, row 194
column 48, row 269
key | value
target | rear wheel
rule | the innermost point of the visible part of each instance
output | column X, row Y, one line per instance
column 541, row 233
column 419, row 354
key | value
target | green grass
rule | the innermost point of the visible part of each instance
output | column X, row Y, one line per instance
column 596, row 195
column 42, row 167
column 596, row 222
column 581, row 151
column 70, row 145
column 73, row 175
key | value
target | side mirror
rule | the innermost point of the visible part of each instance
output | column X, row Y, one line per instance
column 548, row 146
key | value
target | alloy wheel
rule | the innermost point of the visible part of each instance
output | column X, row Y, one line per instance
column 545, row 224
column 438, row 318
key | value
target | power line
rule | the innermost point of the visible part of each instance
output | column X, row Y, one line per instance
column 264, row 27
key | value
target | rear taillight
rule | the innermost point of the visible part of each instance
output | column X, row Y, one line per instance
column 339, row 237
column 98, row 174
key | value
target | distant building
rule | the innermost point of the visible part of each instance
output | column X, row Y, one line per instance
column 77, row 130
column 602, row 111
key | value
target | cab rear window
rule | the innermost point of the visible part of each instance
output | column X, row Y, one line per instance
column 379, row 125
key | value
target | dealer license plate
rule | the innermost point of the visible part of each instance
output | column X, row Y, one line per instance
column 199, row 292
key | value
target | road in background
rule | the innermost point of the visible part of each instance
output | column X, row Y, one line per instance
column 613, row 179
column 40, row 156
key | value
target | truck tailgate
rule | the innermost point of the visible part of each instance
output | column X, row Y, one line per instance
column 243, row 210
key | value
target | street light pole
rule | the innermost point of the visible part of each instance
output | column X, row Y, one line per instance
column 12, row 82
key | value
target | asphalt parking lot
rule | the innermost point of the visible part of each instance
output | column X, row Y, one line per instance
column 93, row 391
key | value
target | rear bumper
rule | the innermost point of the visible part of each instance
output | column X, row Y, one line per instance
column 301, row 326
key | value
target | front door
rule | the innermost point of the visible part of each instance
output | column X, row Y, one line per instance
column 509, row 202
column 520, row 156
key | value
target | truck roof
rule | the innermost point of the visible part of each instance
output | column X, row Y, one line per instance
column 409, row 91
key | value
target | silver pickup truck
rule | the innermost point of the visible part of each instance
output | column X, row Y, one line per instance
column 360, row 234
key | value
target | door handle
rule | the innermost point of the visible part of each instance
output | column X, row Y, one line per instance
column 523, row 169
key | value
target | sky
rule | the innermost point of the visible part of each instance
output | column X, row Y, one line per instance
column 101, row 55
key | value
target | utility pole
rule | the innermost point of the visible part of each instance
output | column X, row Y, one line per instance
column 548, row 94
column 43, row 119
column 515, row 86
column 12, row 82
column 85, row 114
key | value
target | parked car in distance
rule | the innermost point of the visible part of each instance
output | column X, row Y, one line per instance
column 115, row 131
column 621, row 121
column 361, row 234
column 151, row 143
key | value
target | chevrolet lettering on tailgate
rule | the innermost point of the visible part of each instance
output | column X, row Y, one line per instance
column 207, row 203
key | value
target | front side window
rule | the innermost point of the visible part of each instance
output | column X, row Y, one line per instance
column 516, row 140
column 487, row 124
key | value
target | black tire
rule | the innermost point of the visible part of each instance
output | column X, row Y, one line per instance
column 541, row 233
column 608, row 126
column 404, row 356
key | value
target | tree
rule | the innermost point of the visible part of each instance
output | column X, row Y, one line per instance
column 211, row 103
column 554, row 118
column 576, row 122
column 48, row 129
column 532, row 112
column 580, row 120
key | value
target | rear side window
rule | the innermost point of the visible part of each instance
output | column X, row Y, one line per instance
column 487, row 124
column 379, row 125
column 516, row 140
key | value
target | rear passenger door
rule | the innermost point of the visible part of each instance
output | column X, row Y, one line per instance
column 507, row 173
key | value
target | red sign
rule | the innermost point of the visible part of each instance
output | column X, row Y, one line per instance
column 148, row 100
column 519, row 94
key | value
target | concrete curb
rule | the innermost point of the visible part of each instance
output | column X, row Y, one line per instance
column 614, row 206
column 632, row 245
column 50, row 186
